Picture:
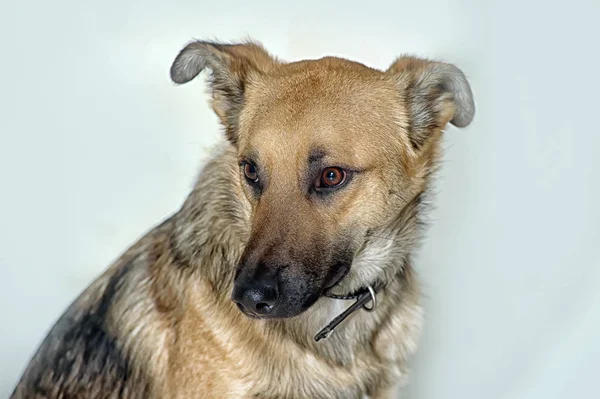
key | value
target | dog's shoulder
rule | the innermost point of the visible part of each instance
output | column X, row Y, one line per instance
column 80, row 355
column 91, row 351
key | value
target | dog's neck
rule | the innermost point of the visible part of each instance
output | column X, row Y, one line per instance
column 206, row 240
column 354, row 334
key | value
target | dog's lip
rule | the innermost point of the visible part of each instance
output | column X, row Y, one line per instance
column 267, row 316
column 256, row 316
column 277, row 315
column 337, row 278
column 248, row 313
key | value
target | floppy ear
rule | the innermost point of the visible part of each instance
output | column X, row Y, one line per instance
column 435, row 93
column 231, row 66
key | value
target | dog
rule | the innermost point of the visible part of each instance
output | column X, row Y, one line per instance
column 287, row 272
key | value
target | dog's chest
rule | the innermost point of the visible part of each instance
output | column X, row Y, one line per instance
column 211, row 360
column 308, row 377
column 295, row 382
column 287, row 372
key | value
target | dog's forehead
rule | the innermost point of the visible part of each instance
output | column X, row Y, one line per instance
column 340, row 83
column 330, row 104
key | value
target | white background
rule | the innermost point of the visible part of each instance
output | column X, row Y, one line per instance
column 97, row 146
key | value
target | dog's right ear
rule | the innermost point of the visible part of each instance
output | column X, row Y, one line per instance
column 436, row 93
column 231, row 66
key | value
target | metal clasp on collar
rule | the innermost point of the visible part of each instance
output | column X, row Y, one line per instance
column 373, row 299
column 361, row 302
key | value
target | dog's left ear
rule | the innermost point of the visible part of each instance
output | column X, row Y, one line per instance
column 435, row 94
column 232, row 67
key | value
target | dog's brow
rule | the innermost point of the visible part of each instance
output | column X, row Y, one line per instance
column 316, row 156
column 251, row 156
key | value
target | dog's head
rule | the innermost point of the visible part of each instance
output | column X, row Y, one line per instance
column 328, row 151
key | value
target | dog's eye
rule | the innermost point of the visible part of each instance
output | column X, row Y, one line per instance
column 331, row 177
column 250, row 172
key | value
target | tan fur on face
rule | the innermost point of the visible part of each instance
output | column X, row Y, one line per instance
column 160, row 323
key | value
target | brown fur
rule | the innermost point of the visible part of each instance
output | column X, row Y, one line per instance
column 160, row 322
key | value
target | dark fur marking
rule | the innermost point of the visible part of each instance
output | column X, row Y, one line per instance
column 179, row 259
column 80, row 357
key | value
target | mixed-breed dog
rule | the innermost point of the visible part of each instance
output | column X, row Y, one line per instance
column 288, row 271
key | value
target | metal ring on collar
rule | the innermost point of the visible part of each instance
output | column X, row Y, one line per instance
column 373, row 298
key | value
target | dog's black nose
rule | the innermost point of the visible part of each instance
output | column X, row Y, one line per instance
column 256, row 296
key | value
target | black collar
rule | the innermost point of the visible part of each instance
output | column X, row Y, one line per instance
column 362, row 296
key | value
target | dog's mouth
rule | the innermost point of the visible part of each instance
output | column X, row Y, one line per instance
column 337, row 277
column 248, row 313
